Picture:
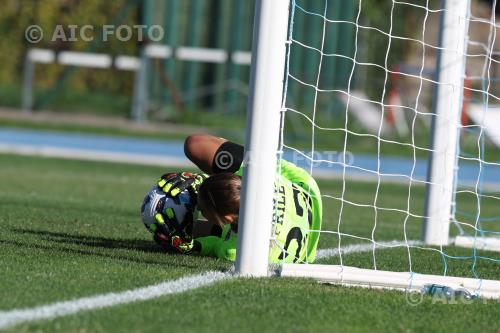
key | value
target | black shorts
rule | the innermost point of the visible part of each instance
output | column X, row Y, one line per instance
column 228, row 157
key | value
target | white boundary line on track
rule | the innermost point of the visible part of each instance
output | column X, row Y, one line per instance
column 93, row 155
column 64, row 308
column 153, row 160
column 131, row 158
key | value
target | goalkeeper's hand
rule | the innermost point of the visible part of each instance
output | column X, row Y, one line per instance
column 181, row 245
column 177, row 237
column 175, row 183
column 174, row 244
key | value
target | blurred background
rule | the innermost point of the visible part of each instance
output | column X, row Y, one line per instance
column 197, row 73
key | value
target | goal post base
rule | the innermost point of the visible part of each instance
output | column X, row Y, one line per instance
column 405, row 281
column 480, row 243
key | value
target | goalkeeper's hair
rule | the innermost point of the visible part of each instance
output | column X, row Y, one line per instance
column 220, row 194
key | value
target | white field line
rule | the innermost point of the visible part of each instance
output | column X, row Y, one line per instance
column 49, row 311
column 357, row 248
column 59, row 309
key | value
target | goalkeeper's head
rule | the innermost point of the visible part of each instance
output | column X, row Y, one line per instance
column 219, row 198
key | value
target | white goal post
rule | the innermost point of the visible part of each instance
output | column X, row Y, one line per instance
column 264, row 109
column 267, row 107
column 445, row 126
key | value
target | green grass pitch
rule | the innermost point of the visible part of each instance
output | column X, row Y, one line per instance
column 70, row 229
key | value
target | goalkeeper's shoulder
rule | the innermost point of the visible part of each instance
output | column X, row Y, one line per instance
column 299, row 176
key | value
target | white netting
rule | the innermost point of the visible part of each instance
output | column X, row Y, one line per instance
column 359, row 87
column 478, row 220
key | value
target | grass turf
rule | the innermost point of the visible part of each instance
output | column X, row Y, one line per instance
column 71, row 229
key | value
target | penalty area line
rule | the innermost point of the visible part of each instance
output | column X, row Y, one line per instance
column 59, row 309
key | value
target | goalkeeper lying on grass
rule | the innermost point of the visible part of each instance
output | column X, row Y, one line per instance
column 298, row 206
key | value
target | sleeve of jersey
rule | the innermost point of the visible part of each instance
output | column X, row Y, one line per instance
column 240, row 171
column 220, row 247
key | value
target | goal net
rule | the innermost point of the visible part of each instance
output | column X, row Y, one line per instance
column 393, row 107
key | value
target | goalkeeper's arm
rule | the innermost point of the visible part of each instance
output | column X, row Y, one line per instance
column 223, row 247
column 213, row 154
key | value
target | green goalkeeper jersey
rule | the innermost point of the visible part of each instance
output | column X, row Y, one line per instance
column 297, row 220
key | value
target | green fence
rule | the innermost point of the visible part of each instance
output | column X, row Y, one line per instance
column 177, row 89
column 227, row 25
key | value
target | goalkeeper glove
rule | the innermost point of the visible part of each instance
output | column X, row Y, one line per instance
column 175, row 183
column 172, row 235
column 181, row 245
column 174, row 244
